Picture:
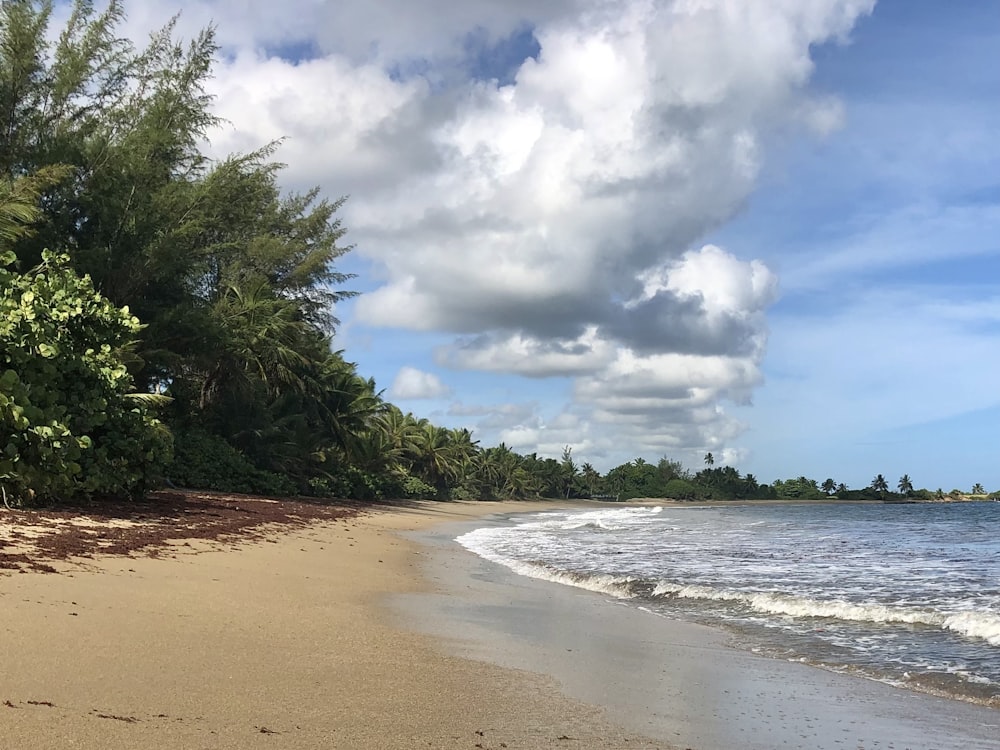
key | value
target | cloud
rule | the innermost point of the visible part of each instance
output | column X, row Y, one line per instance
column 411, row 383
column 529, row 356
column 549, row 217
column 497, row 417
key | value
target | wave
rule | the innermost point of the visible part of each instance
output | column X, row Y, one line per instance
column 602, row 520
column 619, row 587
column 972, row 624
column 524, row 547
column 478, row 541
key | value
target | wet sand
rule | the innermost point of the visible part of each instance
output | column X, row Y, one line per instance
column 379, row 631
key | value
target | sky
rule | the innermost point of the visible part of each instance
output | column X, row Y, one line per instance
column 766, row 229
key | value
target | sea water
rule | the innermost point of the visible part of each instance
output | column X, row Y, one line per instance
column 904, row 593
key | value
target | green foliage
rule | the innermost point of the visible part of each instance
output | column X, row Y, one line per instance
column 412, row 487
column 681, row 489
column 880, row 485
column 68, row 426
column 208, row 462
column 905, row 485
column 800, row 488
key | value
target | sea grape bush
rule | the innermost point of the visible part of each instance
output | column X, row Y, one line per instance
column 70, row 428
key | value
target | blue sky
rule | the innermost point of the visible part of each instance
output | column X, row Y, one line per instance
column 765, row 229
column 885, row 336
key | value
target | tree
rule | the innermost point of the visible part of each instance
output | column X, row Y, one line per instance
column 569, row 470
column 880, row 485
column 829, row 486
column 905, row 486
column 800, row 488
column 709, row 460
column 978, row 489
column 669, row 469
column 234, row 281
column 591, row 479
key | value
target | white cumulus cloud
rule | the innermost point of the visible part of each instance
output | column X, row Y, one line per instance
column 549, row 216
column 411, row 383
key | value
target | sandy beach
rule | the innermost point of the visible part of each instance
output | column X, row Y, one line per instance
column 282, row 641
column 378, row 631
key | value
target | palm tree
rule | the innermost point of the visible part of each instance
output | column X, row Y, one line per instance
column 442, row 454
column 709, row 459
column 570, row 471
column 343, row 406
column 829, row 486
column 591, row 477
column 905, row 485
column 978, row 489
column 464, row 450
column 399, row 433
column 263, row 336
column 841, row 488
column 19, row 202
column 880, row 485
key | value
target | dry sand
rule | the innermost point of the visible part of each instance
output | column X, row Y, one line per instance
column 280, row 642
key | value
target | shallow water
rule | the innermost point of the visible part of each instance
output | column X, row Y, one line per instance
column 906, row 594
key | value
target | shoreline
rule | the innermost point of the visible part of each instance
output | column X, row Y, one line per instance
column 379, row 631
column 672, row 679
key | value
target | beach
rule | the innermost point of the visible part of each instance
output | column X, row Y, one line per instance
column 280, row 641
column 378, row 631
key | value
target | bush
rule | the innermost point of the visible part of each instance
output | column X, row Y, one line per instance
column 412, row 487
column 207, row 462
column 69, row 426
column 680, row 489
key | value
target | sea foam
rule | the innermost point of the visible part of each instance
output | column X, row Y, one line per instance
column 972, row 624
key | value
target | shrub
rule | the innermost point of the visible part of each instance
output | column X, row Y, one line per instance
column 70, row 428
column 207, row 462
column 681, row 489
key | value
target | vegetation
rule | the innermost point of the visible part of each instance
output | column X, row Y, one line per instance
column 68, row 424
column 166, row 316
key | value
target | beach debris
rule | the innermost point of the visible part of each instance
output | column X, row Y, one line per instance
column 165, row 521
column 126, row 719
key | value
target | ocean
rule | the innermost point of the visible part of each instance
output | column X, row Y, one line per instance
column 907, row 594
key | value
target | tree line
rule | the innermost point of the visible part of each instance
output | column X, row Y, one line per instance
column 166, row 317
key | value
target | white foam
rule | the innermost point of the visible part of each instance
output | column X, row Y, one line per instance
column 478, row 541
column 615, row 586
column 985, row 625
column 972, row 624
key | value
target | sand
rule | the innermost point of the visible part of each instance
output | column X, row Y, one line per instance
column 277, row 643
column 378, row 631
